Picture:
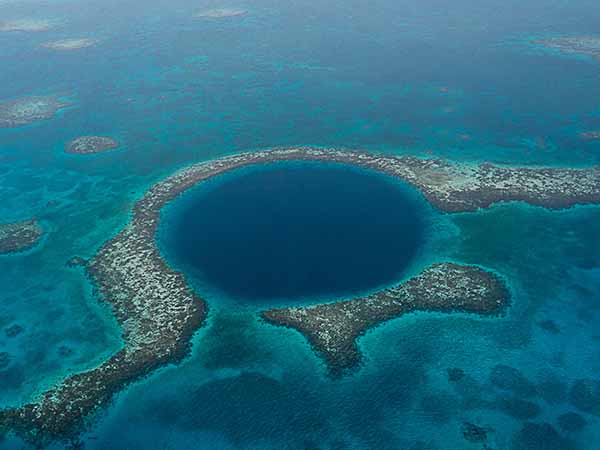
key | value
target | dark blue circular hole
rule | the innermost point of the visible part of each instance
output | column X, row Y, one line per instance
column 295, row 230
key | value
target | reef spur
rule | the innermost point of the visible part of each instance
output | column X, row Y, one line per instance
column 332, row 329
column 573, row 45
column 158, row 312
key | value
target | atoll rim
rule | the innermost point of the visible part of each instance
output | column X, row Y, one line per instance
column 159, row 312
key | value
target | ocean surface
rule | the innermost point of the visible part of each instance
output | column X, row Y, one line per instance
column 456, row 80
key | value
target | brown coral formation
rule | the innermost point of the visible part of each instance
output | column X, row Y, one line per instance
column 19, row 236
column 26, row 110
column 332, row 329
column 85, row 145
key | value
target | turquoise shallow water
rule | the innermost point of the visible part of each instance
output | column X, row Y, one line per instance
column 456, row 81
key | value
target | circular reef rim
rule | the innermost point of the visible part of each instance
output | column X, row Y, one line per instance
column 159, row 312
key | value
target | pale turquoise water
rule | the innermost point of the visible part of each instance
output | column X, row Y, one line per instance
column 456, row 81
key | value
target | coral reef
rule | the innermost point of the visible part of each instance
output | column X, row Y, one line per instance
column 26, row 110
column 70, row 44
column 85, row 145
column 27, row 25
column 220, row 13
column 332, row 329
column 19, row 236
column 576, row 45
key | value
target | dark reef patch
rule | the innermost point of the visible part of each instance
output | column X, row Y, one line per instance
column 549, row 325
column 5, row 359
column 13, row 330
column 510, row 379
column 19, row 236
column 571, row 422
column 475, row 433
column 540, row 436
column 585, row 395
column 518, row 408
column 455, row 374
column 65, row 352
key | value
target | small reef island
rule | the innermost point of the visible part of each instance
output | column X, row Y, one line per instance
column 28, row 25
column 70, row 44
column 574, row 45
column 26, row 110
column 590, row 135
column 221, row 13
column 85, row 145
column 159, row 312
column 19, row 236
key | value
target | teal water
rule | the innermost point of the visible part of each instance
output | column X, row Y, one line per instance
column 452, row 80
column 295, row 231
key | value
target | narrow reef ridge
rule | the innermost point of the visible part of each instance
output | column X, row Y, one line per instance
column 333, row 328
column 85, row 145
column 27, row 25
column 220, row 13
column 19, row 236
column 26, row 110
column 70, row 44
column 159, row 313
column 574, row 45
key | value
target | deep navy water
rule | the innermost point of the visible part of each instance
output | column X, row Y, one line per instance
column 458, row 80
column 296, row 231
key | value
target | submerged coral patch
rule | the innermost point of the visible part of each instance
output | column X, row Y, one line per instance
column 27, row 25
column 70, row 44
column 574, row 45
column 85, row 145
column 220, row 13
column 19, row 236
column 26, row 110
